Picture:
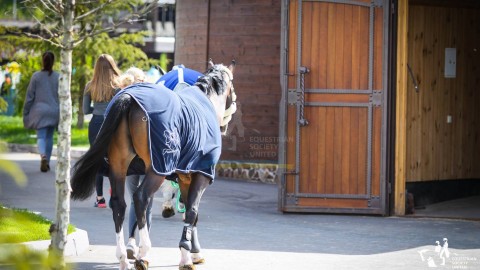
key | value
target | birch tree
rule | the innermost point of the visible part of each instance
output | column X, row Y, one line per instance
column 65, row 24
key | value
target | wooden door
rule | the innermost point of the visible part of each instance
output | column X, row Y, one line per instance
column 333, row 112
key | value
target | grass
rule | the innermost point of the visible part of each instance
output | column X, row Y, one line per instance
column 12, row 131
column 20, row 225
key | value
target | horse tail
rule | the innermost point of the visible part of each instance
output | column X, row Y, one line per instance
column 92, row 162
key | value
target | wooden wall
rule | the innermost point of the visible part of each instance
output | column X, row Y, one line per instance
column 249, row 32
column 437, row 150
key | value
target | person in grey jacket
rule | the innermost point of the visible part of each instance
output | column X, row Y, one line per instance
column 41, row 110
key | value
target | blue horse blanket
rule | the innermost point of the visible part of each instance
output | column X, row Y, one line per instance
column 179, row 77
column 183, row 131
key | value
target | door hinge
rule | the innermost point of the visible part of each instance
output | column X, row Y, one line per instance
column 374, row 201
column 292, row 97
column 291, row 199
column 290, row 173
column 376, row 98
column 377, row 3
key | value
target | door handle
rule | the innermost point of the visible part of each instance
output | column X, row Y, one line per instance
column 415, row 84
column 301, row 120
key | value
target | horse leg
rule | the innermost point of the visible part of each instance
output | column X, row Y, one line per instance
column 152, row 182
column 192, row 189
column 120, row 154
column 141, row 199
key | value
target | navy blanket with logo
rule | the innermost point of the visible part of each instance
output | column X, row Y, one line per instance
column 183, row 131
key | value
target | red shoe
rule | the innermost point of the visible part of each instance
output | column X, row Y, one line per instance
column 100, row 203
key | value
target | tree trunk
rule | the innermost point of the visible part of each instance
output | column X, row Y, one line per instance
column 62, row 184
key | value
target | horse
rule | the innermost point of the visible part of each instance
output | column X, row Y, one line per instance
column 189, row 123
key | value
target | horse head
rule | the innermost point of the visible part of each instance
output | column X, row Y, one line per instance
column 218, row 85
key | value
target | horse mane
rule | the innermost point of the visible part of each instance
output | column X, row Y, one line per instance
column 213, row 81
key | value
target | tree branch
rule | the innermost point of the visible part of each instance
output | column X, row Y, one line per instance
column 130, row 18
column 54, row 7
column 92, row 11
column 31, row 35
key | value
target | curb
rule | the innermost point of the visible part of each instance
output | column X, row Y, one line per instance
column 77, row 243
column 76, row 152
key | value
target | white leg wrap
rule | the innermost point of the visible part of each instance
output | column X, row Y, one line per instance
column 186, row 258
column 197, row 258
column 121, row 251
column 145, row 244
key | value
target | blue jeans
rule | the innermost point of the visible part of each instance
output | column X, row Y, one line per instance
column 93, row 129
column 45, row 141
column 132, row 182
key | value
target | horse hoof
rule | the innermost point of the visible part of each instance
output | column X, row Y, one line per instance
column 141, row 265
column 199, row 261
column 187, row 267
column 168, row 212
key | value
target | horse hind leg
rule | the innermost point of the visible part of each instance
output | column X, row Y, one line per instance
column 143, row 197
column 120, row 154
column 150, row 184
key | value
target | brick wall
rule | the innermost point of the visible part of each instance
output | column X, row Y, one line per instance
column 191, row 33
column 249, row 32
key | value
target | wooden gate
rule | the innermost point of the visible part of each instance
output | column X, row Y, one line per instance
column 333, row 109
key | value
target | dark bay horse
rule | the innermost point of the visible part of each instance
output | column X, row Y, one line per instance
column 166, row 133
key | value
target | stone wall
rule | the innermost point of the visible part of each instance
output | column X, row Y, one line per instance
column 256, row 172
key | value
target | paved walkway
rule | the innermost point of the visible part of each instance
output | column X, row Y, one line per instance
column 241, row 228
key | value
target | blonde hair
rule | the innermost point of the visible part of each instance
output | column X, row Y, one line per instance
column 130, row 76
column 102, row 87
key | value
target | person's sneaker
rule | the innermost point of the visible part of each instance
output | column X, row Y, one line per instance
column 44, row 167
column 100, row 203
column 132, row 250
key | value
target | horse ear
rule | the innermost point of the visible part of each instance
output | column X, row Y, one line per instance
column 232, row 65
column 159, row 68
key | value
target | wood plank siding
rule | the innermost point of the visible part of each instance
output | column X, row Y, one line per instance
column 437, row 150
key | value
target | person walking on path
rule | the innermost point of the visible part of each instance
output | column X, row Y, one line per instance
column 41, row 109
column 100, row 91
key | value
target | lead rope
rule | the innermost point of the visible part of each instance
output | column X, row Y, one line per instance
column 177, row 203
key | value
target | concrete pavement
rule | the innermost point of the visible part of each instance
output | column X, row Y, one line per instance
column 241, row 228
